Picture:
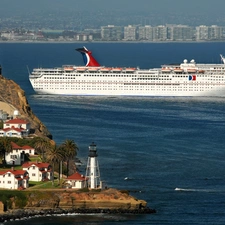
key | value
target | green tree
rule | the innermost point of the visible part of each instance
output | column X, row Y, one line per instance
column 69, row 149
column 42, row 145
column 54, row 155
column 5, row 147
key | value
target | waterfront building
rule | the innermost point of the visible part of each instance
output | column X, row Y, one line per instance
column 215, row 32
column 111, row 33
column 145, row 33
column 130, row 33
column 38, row 171
column 83, row 37
column 76, row 181
column 92, row 171
column 17, row 123
column 180, row 33
column 17, row 155
column 160, row 33
column 14, row 179
column 15, row 128
column 202, row 33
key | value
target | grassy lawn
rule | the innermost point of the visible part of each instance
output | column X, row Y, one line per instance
column 43, row 185
column 6, row 167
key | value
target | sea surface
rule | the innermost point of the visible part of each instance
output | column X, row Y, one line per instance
column 170, row 150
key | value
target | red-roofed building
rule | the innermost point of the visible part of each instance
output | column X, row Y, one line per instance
column 28, row 150
column 15, row 128
column 17, row 156
column 38, row 171
column 13, row 132
column 76, row 180
column 17, row 123
column 14, row 179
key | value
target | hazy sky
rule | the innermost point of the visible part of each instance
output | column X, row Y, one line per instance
column 161, row 6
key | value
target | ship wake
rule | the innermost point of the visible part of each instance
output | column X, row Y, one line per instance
column 197, row 190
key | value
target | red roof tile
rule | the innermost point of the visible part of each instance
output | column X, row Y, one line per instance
column 76, row 176
column 13, row 128
column 13, row 171
column 39, row 165
column 16, row 121
column 27, row 147
column 15, row 146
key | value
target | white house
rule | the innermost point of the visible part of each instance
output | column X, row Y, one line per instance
column 14, row 179
column 17, row 156
column 76, row 180
column 38, row 171
column 17, row 123
column 15, row 128
column 28, row 150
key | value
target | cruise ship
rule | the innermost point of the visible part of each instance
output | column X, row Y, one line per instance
column 186, row 79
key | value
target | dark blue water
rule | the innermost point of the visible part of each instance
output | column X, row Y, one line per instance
column 160, row 144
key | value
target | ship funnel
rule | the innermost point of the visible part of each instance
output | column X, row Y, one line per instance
column 89, row 60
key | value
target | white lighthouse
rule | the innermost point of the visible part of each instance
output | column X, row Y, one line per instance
column 92, row 172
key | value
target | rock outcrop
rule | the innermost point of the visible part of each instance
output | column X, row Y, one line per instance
column 46, row 202
column 70, row 199
column 12, row 94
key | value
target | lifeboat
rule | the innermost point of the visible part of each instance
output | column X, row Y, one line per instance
column 178, row 70
column 93, row 69
column 117, row 69
column 166, row 70
column 130, row 69
column 81, row 68
column 105, row 69
column 201, row 71
column 68, row 68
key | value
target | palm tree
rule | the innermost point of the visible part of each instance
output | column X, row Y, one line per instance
column 5, row 147
column 70, row 151
column 41, row 146
column 54, row 155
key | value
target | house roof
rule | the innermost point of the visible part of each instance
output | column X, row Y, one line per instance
column 76, row 176
column 13, row 128
column 13, row 171
column 15, row 146
column 38, row 164
column 16, row 121
column 27, row 147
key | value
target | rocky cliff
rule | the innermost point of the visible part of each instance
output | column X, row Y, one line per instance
column 12, row 94
column 70, row 199
column 67, row 201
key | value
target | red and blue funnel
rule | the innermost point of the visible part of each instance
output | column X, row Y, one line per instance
column 89, row 60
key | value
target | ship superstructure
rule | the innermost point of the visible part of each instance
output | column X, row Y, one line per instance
column 185, row 79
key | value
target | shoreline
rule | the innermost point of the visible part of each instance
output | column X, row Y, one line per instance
column 107, row 42
column 21, row 214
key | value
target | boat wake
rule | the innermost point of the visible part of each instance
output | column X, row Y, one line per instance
column 197, row 190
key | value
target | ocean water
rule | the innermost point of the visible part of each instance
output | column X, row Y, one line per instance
column 172, row 150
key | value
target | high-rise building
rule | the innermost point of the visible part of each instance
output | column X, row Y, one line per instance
column 160, row 33
column 130, row 33
column 202, row 33
column 111, row 33
column 180, row 33
column 145, row 33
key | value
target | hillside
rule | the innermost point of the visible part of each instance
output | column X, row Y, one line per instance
column 13, row 97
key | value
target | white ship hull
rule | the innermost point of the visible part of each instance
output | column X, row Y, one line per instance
column 116, row 88
column 186, row 79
